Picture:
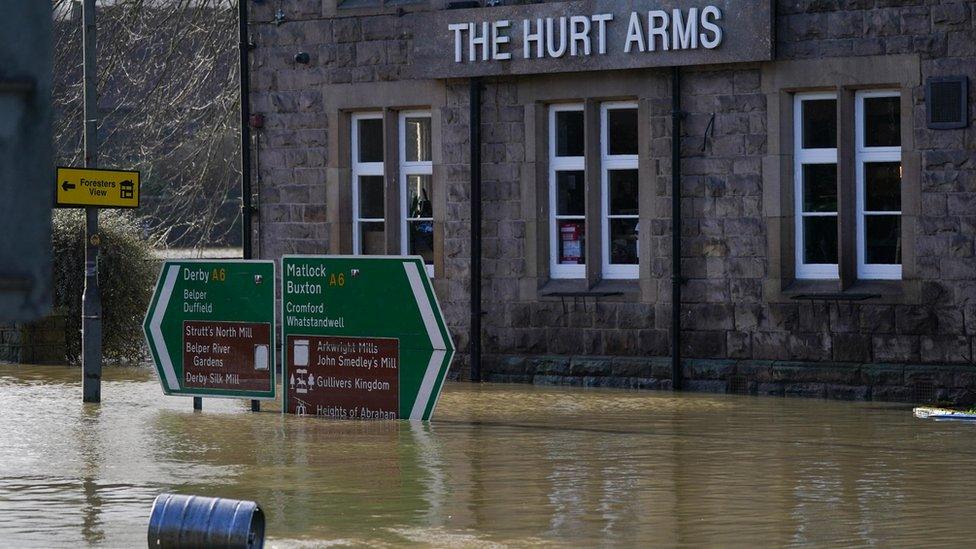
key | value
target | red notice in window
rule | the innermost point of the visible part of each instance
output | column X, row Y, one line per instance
column 571, row 234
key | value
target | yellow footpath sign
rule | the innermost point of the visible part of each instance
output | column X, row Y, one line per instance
column 101, row 188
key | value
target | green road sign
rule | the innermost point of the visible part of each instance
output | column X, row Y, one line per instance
column 211, row 328
column 364, row 338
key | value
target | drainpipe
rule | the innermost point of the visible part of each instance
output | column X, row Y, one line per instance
column 475, row 141
column 676, row 279
column 246, row 207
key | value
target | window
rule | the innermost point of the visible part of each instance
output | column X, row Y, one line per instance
column 416, row 187
column 619, row 183
column 414, row 216
column 879, row 173
column 868, row 120
column 815, row 179
column 368, row 196
column 567, row 192
column 619, row 194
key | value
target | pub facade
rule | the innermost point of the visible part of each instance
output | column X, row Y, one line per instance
column 823, row 153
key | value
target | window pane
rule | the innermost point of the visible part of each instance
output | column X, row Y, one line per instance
column 420, row 239
column 882, row 239
column 882, row 123
column 371, row 196
column 819, row 124
column 623, row 186
column 622, row 131
column 569, row 133
column 820, row 187
column 623, row 241
column 419, row 196
column 820, row 240
column 372, row 239
column 417, row 137
column 882, row 186
column 371, row 140
column 570, row 193
column 572, row 242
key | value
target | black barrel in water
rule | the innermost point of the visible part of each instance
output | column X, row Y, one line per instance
column 195, row 521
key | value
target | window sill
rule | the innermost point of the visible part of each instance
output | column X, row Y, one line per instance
column 809, row 286
column 374, row 9
column 875, row 292
column 889, row 290
column 611, row 290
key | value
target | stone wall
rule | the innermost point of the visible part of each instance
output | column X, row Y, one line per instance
column 294, row 146
column 728, row 314
column 937, row 324
column 40, row 342
column 843, row 381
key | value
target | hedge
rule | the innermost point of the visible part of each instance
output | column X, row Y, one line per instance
column 126, row 272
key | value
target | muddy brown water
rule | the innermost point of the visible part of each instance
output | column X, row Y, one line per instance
column 500, row 465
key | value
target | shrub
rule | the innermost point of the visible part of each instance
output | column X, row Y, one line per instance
column 126, row 274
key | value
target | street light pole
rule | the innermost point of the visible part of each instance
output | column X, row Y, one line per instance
column 91, row 308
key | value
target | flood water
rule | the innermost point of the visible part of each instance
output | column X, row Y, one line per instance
column 499, row 465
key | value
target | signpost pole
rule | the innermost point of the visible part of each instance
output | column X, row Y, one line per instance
column 91, row 313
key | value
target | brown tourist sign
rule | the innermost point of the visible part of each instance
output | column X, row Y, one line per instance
column 321, row 381
column 227, row 356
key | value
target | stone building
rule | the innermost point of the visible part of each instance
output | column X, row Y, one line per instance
column 827, row 180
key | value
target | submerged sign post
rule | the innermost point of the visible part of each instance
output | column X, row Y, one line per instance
column 92, row 189
column 364, row 338
column 210, row 328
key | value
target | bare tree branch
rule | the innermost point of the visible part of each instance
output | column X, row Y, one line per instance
column 168, row 106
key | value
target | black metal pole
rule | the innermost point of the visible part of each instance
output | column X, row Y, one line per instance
column 246, row 208
column 245, row 132
column 475, row 346
column 91, row 301
column 676, row 281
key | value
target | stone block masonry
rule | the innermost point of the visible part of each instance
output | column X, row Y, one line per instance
column 918, row 383
column 40, row 342
column 740, row 327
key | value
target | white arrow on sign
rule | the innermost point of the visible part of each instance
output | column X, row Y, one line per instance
column 155, row 328
column 436, row 340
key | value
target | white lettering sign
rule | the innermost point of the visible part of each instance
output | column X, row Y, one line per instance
column 585, row 35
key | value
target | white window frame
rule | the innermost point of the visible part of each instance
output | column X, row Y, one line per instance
column 864, row 155
column 407, row 169
column 560, row 164
column 362, row 169
column 801, row 157
column 610, row 163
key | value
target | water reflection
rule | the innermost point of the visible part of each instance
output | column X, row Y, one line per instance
column 89, row 431
column 501, row 465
